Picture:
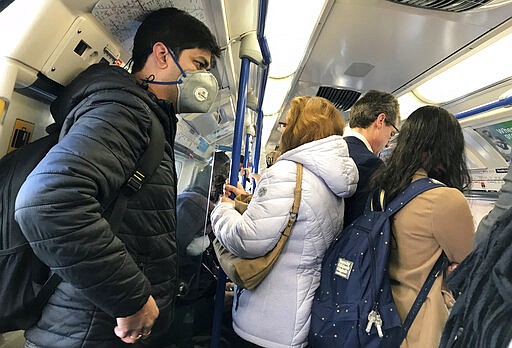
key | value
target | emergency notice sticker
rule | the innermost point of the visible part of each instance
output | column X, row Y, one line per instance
column 21, row 134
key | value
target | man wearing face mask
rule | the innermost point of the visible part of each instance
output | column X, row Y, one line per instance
column 116, row 288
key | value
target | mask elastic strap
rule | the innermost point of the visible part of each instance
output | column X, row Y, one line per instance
column 183, row 73
column 177, row 82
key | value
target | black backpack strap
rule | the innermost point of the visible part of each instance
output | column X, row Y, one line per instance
column 438, row 268
column 47, row 290
column 146, row 166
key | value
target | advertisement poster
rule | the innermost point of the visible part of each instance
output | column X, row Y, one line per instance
column 500, row 137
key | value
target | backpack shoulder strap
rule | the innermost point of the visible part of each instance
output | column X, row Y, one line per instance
column 146, row 166
column 150, row 159
column 437, row 269
column 415, row 188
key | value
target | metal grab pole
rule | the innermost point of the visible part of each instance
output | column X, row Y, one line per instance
column 486, row 107
column 233, row 179
column 246, row 159
column 259, row 124
column 494, row 105
column 262, row 16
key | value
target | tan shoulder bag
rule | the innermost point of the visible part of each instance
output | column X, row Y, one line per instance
column 248, row 273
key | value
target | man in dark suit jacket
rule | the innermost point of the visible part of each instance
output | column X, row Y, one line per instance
column 373, row 121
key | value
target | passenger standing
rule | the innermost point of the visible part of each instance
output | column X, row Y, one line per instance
column 194, row 304
column 116, row 288
column 482, row 316
column 430, row 144
column 277, row 312
column 373, row 121
column 192, row 228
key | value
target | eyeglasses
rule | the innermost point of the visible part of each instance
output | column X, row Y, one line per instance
column 392, row 125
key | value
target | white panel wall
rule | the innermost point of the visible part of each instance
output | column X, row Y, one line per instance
column 27, row 109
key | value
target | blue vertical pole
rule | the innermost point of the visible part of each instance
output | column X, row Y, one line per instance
column 233, row 179
column 262, row 16
column 246, row 158
column 259, row 123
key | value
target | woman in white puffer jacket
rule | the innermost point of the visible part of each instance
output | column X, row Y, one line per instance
column 277, row 313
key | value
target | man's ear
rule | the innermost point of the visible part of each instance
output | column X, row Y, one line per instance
column 160, row 55
column 380, row 120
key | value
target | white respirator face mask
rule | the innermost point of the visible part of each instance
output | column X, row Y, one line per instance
column 197, row 90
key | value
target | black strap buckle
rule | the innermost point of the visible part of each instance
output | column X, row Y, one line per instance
column 136, row 180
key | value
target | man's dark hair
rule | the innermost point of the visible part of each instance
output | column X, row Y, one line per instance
column 430, row 138
column 175, row 28
column 365, row 111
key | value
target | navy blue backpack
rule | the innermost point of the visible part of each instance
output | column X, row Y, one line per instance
column 353, row 306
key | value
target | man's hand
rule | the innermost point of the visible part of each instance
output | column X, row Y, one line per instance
column 131, row 329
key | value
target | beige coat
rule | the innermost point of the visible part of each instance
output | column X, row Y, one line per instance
column 439, row 219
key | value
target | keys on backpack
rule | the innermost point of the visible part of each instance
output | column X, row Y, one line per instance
column 378, row 325
column 374, row 319
column 371, row 321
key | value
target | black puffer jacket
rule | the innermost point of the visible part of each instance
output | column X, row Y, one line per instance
column 106, row 128
column 482, row 315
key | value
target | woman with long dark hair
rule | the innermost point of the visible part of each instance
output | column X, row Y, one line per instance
column 430, row 144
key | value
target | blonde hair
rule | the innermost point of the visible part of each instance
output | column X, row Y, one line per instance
column 309, row 119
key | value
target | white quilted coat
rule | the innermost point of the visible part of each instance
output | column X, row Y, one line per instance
column 277, row 313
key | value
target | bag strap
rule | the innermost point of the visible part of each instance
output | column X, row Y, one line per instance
column 296, row 201
column 47, row 290
column 438, row 268
column 146, row 166
column 414, row 189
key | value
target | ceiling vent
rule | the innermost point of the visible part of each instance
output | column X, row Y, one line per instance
column 444, row 5
column 343, row 99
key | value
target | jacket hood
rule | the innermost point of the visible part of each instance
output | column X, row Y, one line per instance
column 329, row 159
column 95, row 78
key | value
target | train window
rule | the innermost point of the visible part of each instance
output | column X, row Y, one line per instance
column 179, row 165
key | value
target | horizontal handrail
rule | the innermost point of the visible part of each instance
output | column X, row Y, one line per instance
column 478, row 110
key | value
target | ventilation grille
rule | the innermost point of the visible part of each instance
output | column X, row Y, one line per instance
column 343, row 99
column 444, row 5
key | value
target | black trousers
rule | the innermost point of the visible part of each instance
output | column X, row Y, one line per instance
column 245, row 344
